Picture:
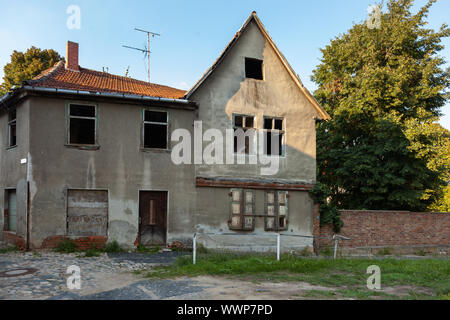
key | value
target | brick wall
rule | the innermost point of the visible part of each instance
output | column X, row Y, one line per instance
column 82, row 243
column 12, row 239
column 390, row 229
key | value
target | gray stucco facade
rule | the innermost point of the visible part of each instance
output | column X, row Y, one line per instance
column 43, row 166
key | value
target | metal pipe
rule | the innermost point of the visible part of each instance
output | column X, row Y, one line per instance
column 278, row 246
column 336, row 239
column 194, row 248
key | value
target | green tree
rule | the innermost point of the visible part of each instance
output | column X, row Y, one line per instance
column 25, row 66
column 384, row 88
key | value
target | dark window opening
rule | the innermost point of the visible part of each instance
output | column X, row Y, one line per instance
column 82, row 124
column 253, row 68
column 244, row 134
column 155, row 129
column 12, row 129
column 273, row 136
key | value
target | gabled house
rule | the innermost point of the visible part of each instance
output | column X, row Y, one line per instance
column 89, row 156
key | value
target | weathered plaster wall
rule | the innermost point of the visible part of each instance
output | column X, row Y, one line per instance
column 214, row 211
column 119, row 166
column 13, row 174
column 227, row 91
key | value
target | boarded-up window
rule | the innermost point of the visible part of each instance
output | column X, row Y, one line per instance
column 276, row 205
column 11, row 211
column 242, row 207
column 87, row 212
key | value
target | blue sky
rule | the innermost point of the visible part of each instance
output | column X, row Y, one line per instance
column 193, row 32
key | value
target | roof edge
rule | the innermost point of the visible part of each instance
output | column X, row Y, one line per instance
column 295, row 77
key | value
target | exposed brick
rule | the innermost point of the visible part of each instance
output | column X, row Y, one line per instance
column 391, row 228
column 15, row 240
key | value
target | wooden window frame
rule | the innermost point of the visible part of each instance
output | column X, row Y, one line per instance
column 167, row 124
column 281, row 132
column 243, row 210
column 276, row 214
column 253, row 144
column 11, row 123
column 95, row 118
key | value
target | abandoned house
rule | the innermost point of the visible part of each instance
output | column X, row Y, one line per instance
column 86, row 155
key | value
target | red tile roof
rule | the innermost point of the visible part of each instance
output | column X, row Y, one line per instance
column 89, row 80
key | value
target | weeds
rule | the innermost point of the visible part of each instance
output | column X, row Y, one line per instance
column 384, row 252
column 66, row 246
column 8, row 250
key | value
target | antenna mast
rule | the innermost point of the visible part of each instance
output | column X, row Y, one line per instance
column 146, row 51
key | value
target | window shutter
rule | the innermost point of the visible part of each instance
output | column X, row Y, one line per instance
column 283, row 211
column 236, row 209
column 249, row 210
column 270, row 208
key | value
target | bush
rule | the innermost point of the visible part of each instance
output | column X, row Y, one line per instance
column 113, row 247
column 329, row 213
column 66, row 246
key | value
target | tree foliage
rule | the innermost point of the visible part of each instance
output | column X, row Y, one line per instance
column 384, row 88
column 25, row 66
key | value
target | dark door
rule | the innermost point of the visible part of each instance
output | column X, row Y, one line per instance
column 152, row 218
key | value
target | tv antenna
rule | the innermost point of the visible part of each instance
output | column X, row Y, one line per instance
column 146, row 51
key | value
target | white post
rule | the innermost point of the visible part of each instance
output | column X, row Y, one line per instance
column 278, row 246
column 194, row 248
column 336, row 239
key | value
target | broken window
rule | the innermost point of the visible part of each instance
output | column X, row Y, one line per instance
column 276, row 205
column 244, row 134
column 274, row 135
column 12, row 129
column 87, row 213
column 155, row 129
column 242, row 207
column 254, row 68
column 82, row 124
column 10, row 215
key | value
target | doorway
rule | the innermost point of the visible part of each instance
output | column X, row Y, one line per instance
column 152, row 218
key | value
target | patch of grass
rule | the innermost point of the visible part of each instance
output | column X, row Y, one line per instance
column 326, row 252
column 421, row 253
column 343, row 273
column 66, row 246
column 148, row 250
column 113, row 247
column 9, row 249
column 384, row 252
column 37, row 254
column 306, row 252
column 319, row 294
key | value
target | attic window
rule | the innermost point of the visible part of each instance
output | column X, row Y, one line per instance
column 253, row 68
column 12, row 125
column 155, row 129
column 82, row 124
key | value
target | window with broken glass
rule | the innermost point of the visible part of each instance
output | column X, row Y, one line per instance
column 82, row 124
column 244, row 134
column 274, row 136
column 12, row 129
column 242, row 207
column 276, row 206
column 155, row 129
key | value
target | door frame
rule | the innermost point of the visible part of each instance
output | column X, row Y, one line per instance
column 139, row 211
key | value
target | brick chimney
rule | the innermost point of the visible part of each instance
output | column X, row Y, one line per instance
column 72, row 56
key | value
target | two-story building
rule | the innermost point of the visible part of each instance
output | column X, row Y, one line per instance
column 90, row 155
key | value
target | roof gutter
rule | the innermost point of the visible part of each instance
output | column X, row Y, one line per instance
column 105, row 94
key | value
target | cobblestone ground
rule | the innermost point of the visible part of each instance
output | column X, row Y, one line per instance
column 108, row 276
